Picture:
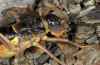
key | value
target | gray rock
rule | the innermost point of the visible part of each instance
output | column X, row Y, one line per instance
column 92, row 40
column 89, row 2
column 92, row 17
column 86, row 11
column 98, row 30
column 83, row 32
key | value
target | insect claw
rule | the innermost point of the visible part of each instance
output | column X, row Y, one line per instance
column 6, row 42
column 49, row 53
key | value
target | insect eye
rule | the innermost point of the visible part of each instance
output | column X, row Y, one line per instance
column 52, row 19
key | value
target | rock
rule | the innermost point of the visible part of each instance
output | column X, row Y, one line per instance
column 89, row 55
column 78, row 62
column 53, row 62
column 92, row 17
column 92, row 40
column 83, row 32
column 42, row 58
column 98, row 30
column 46, row 64
column 5, row 62
column 89, row 2
column 85, row 11
column 68, row 52
column 74, row 8
column 57, row 52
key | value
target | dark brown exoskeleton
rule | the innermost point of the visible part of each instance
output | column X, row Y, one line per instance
column 31, row 30
column 12, row 15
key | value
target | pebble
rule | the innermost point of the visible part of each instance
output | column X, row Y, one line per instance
column 86, row 11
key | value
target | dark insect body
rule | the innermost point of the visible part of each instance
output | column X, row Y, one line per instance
column 30, row 30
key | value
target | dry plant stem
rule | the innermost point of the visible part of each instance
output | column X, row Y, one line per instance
column 49, row 53
column 64, row 40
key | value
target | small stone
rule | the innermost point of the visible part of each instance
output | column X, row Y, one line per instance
column 57, row 52
column 78, row 62
column 74, row 8
column 46, row 64
column 89, row 2
column 78, row 1
column 5, row 62
column 85, row 11
column 83, row 32
column 89, row 55
column 92, row 17
column 98, row 30
column 92, row 40
column 53, row 62
column 42, row 58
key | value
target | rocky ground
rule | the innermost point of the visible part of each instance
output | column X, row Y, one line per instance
column 83, row 18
